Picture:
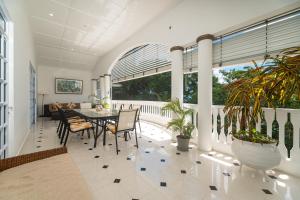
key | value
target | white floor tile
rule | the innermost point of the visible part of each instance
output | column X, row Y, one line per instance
column 216, row 170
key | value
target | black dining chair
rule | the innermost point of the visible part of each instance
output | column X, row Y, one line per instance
column 126, row 122
column 73, row 126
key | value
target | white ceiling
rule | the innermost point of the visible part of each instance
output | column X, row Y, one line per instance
column 82, row 30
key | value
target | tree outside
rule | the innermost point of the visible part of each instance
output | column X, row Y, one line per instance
column 158, row 87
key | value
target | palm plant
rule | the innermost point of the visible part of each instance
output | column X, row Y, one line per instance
column 273, row 84
column 179, row 123
column 283, row 77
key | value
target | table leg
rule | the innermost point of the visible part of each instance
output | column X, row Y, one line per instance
column 104, row 135
column 97, row 134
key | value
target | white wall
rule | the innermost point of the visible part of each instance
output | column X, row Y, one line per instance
column 22, row 54
column 46, row 82
column 193, row 18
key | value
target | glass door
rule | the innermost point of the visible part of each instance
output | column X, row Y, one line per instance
column 3, row 88
column 32, row 95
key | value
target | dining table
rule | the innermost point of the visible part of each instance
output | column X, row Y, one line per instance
column 99, row 118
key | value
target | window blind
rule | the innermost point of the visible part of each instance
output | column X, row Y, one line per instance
column 190, row 58
column 141, row 60
column 267, row 37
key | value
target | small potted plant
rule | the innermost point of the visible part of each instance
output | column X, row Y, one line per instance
column 179, row 124
column 105, row 103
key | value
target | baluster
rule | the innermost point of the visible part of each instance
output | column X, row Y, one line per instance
column 226, row 125
column 288, row 135
column 192, row 117
column 212, row 122
column 263, row 124
column 275, row 128
column 234, row 129
column 197, row 119
column 218, row 124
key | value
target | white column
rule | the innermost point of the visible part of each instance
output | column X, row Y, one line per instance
column 94, row 87
column 94, row 90
column 205, row 92
column 107, row 78
column 102, row 87
column 177, row 73
column 176, row 77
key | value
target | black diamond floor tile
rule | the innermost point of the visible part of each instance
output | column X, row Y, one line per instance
column 272, row 177
column 266, row 191
column 117, row 180
column 198, row 162
column 177, row 153
column 39, row 141
column 183, row 171
column 85, row 143
column 143, row 169
column 162, row 160
column 226, row 174
column 149, row 141
column 236, row 164
column 128, row 158
column 162, row 146
column 38, row 146
column 212, row 187
column 105, row 166
column 109, row 144
column 163, row 184
column 96, row 156
column 147, row 151
column 90, row 149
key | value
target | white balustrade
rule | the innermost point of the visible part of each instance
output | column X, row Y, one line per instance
column 152, row 111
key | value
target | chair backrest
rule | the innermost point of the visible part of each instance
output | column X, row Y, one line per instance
column 126, row 120
column 138, row 108
column 85, row 105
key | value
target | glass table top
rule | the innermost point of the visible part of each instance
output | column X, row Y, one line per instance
column 92, row 113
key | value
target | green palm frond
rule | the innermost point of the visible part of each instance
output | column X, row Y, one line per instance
column 179, row 123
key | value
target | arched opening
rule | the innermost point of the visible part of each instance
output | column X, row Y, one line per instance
column 142, row 73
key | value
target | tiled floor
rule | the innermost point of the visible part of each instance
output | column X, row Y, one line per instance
column 158, row 171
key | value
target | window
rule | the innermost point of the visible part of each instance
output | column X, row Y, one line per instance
column 150, row 88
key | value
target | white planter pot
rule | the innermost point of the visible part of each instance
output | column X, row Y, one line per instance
column 255, row 155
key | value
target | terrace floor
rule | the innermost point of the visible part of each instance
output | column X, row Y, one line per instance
column 157, row 171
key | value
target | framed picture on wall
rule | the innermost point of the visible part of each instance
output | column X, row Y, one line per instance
column 68, row 86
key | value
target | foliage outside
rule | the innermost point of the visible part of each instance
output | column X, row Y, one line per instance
column 179, row 123
column 273, row 85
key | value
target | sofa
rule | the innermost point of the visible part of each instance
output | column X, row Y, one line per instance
column 51, row 110
column 44, row 175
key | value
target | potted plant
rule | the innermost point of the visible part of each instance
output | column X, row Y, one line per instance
column 179, row 124
column 105, row 103
column 271, row 85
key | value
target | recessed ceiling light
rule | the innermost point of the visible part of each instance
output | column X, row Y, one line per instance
column 51, row 14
